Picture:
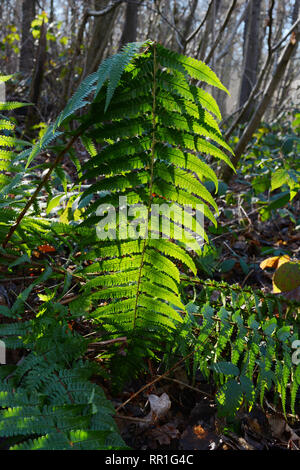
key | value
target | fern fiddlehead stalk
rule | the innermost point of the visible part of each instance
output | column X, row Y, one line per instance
column 151, row 180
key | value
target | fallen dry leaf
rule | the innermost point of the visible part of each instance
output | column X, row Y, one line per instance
column 282, row 431
column 274, row 262
column 286, row 277
column 159, row 405
column 164, row 434
column 198, row 438
column 159, row 408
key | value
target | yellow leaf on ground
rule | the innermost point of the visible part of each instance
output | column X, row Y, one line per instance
column 274, row 261
column 286, row 277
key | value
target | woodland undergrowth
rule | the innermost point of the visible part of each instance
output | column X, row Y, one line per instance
column 87, row 311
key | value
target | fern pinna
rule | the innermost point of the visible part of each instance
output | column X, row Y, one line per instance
column 12, row 183
column 48, row 401
column 243, row 345
column 154, row 133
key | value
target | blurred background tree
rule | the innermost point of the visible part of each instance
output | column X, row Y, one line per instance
column 244, row 41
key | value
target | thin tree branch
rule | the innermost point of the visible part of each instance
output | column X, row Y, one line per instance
column 106, row 10
column 111, row 7
column 220, row 33
column 255, row 89
column 157, row 10
column 188, row 21
column 39, row 188
column 233, row 33
column 292, row 28
column 40, row 264
column 261, row 108
column 270, row 20
column 160, row 377
column 196, row 31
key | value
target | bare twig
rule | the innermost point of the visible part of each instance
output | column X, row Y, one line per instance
column 68, row 299
column 233, row 33
column 195, row 32
column 132, row 418
column 106, row 10
column 220, row 33
column 56, row 162
column 157, row 10
column 261, row 108
column 270, row 20
column 160, row 377
column 292, row 28
column 195, row 389
column 247, row 277
column 122, row 339
column 17, row 278
column 255, row 89
column 42, row 265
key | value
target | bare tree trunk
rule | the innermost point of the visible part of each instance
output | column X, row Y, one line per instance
column 225, row 76
column 130, row 25
column 51, row 16
column 189, row 19
column 102, row 29
column 217, row 40
column 229, row 41
column 188, row 23
column 162, row 28
column 265, row 101
column 209, row 29
column 251, row 53
column 27, row 43
column 37, row 81
column 175, row 41
column 290, row 74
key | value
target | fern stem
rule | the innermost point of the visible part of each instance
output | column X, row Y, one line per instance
column 151, row 179
column 61, row 382
column 234, row 287
column 38, row 264
column 248, row 328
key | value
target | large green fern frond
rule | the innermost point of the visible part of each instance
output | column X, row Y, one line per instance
column 154, row 138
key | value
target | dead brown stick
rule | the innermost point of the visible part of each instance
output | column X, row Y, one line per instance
column 106, row 10
column 160, row 377
column 122, row 339
column 44, row 180
column 196, row 31
column 132, row 418
column 195, row 389
column 41, row 265
column 16, row 278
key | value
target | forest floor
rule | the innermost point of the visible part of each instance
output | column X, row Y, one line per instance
column 192, row 422
column 172, row 412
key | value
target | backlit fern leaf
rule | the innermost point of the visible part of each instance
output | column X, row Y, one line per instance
column 259, row 349
column 80, row 419
column 153, row 151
